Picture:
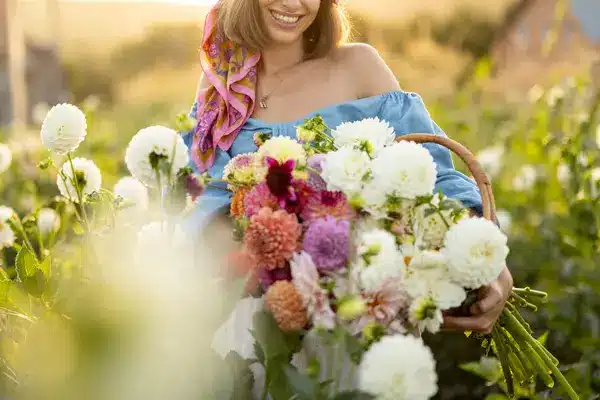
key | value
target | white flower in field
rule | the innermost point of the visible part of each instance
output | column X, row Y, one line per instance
column 5, row 157
column 405, row 170
column 398, row 368
column 64, row 128
column 48, row 221
column 87, row 176
column 490, row 159
column 427, row 276
column 425, row 315
column 378, row 259
column 563, row 173
column 370, row 135
column 282, row 149
column 535, row 94
column 476, row 251
column 525, row 179
column 345, row 170
column 504, row 220
column 595, row 174
column 159, row 242
column 554, row 95
column 133, row 192
column 156, row 148
column 7, row 236
column 234, row 334
column 39, row 112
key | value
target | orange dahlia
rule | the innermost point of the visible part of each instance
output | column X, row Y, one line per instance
column 238, row 209
column 272, row 238
column 284, row 301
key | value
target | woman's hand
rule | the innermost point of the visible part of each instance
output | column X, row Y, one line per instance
column 486, row 311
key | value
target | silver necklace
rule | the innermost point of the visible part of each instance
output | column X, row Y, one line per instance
column 265, row 98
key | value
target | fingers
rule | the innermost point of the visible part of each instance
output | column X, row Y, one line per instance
column 491, row 297
column 481, row 324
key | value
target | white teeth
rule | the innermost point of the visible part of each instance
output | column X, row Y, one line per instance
column 284, row 18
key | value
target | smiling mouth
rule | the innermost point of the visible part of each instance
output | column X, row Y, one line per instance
column 286, row 19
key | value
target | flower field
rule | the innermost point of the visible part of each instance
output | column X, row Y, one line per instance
column 67, row 316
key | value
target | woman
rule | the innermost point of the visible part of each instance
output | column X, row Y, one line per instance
column 270, row 64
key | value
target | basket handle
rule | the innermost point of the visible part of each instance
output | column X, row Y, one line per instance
column 483, row 183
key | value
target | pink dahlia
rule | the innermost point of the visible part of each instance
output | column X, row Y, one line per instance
column 272, row 237
column 260, row 197
column 383, row 305
column 327, row 242
column 324, row 203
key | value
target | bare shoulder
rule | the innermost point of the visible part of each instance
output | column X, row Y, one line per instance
column 367, row 68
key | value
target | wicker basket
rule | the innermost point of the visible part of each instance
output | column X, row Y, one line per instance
column 483, row 183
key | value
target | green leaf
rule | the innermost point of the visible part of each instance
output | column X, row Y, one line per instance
column 77, row 228
column 267, row 333
column 496, row 396
column 543, row 338
column 354, row 395
column 26, row 263
column 45, row 266
column 34, row 285
column 241, row 376
column 303, row 387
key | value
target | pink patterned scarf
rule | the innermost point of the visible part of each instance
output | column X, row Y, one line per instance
column 225, row 106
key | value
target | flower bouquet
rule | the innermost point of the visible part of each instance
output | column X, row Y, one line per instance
column 351, row 255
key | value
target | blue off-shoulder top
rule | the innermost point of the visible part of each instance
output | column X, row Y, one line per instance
column 404, row 111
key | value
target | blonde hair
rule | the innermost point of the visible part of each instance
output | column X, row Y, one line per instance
column 241, row 22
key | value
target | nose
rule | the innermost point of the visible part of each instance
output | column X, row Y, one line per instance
column 291, row 4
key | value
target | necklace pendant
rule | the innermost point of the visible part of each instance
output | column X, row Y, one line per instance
column 263, row 102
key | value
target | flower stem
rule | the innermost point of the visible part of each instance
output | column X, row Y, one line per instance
column 502, row 353
column 515, row 327
column 528, row 292
column 522, row 302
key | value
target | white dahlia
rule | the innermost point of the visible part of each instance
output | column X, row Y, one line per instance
column 370, row 135
column 235, row 334
column 7, row 236
column 345, row 170
column 425, row 315
column 427, row 276
column 87, row 176
column 133, row 192
column 64, row 128
column 377, row 259
column 398, row 368
column 405, row 170
column 282, row 149
column 525, row 178
column 156, row 148
column 48, row 221
column 5, row 157
column 563, row 173
column 476, row 251
column 490, row 159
